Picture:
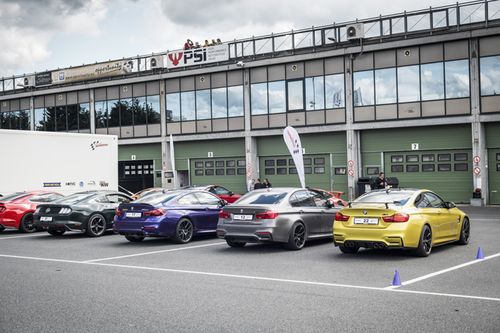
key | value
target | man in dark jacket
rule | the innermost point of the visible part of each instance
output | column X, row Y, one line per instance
column 381, row 182
column 259, row 184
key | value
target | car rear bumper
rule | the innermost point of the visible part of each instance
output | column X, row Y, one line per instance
column 399, row 235
column 144, row 229
column 61, row 225
column 251, row 233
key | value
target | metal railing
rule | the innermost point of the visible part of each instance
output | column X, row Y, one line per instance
column 457, row 17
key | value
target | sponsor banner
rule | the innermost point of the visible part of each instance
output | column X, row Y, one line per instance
column 292, row 141
column 97, row 144
column 92, row 72
column 52, row 184
column 42, row 79
column 199, row 56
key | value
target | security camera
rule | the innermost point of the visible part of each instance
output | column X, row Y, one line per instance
column 240, row 63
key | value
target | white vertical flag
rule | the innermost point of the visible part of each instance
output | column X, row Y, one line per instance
column 294, row 145
column 172, row 159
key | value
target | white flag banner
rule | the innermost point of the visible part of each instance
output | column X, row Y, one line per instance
column 172, row 159
column 292, row 141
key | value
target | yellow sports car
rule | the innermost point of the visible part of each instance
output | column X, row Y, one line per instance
column 400, row 218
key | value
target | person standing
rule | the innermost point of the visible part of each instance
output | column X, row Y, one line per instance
column 267, row 183
column 381, row 181
column 259, row 184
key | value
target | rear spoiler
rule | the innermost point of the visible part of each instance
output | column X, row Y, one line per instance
column 376, row 203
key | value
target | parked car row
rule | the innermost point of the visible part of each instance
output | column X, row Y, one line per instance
column 394, row 218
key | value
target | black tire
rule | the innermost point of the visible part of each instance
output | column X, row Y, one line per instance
column 184, row 231
column 425, row 243
column 464, row 232
column 235, row 244
column 297, row 238
column 26, row 224
column 348, row 250
column 56, row 232
column 96, row 225
column 134, row 238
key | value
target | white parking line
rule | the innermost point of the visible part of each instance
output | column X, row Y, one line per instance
column 23, row 236
column 259, row 278
column 154, row 252
column 428, row 276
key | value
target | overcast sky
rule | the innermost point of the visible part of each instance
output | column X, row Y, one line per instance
column 36, row 35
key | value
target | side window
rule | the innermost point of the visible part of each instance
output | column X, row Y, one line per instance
column 434, row 200
column 207, row 199
column 101, row 199
column 115, row 198
column 188, row 199
column 221, row 190
column 302, row 199
column 422, row 202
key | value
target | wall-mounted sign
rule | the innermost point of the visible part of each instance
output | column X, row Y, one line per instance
column 415, row 146
column 477, row 159
column 42, row 79
column 199, row 56
column 92, row 72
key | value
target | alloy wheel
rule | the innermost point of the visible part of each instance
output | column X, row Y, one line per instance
column 185, row 231
column 299, row 235
column 427, row 240
column 97, row 225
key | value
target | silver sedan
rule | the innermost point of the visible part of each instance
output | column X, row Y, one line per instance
column 285, row 215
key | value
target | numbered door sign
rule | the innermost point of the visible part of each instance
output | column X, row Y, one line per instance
column 414, row 146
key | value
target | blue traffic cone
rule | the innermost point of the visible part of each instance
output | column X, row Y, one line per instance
column 479, row 254
column 396, row 281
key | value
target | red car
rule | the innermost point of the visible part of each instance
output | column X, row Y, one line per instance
column 219, row 191
column 16, row 209
column 333, row 196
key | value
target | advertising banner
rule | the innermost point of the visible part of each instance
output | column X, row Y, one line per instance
column 92, row 72
column 292, row 141
column 198, row 56
column 42, row 79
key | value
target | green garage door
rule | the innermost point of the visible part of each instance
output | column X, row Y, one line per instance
column 447, row 172
column 229, row 172
column 281, row 171
column 494, row 175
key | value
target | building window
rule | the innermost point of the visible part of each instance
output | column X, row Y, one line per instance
column 408, row 84
column 219, row 172
column 219, row 103
column 334, row 91
column 427, row 157
column 241, row 171
column 308, row 170
column 277, row 101
column 281, row 162
column 198, row 164
column 209, row 172
column 319, row 161
column 397, row 168
column 241, row 163
column 460, row 156
column 319, row 170
column 385, row 86
column 113, row 113
column 219, row 164
column 295, row 95
column 235, row 101
column 188, row 106
column 370, row 171
column 363, row 93
column 397, row 158
column 412, row 168
column 269, row 171
column 173, row 107
column 153, row 109
column 461, row 167
column 230, row 164
column 444, row 157
column 281, row 171
column 427, row 167
column 307, row 161
column 259, row 98
column 432, row 76
column 209, row 164
column 340, row 171
column 457, row 78
column 269, row 162
column 203, row 104
column 490, row 67
column 315, row 93
column 412, row 158
column 230, row 172
column 444, row 167
column 198, row 172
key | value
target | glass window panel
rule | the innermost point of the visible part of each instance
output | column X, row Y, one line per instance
column 276, row 91
column 269, row 171
column 281, row 171
column 39, row 120
column 219, row 172
column 84, row 116
column 444, row 167
column 153, row 109
column 230, row 172
column 472, row 13
column 315, row 93
column 418, row 22
column 139, row 110
column 498, row 156
column 457, row 78
column 242, row 171
column 307, row 170
column 411, row 158
column 428, row 158
column 295, row 95
column 209, row 164
column 203, row 104
column 340, row 171
column 242, row 163
column 50, row 119
column 219, row 103
column 427, row 167
column 439, row 19
column 292, row 171
column 235, row 101
column 281, row 162
column 126, row 113
column 334, row 91
column 291, row 162
column 319, row 170
column 198, row 164
column 14, row 122
column 444, row 157
column 3, row 120
column 101, row 114
column 269, row 162
column 259, row 98
column 363, row 88
column 461, row 167
column 498, row 166
column 307, row 161
column 173, row 107
column 230, row 164
column 396, row 168
column 385, row 86
column 319, row 161
column 114, row 113
column 24, row 119
column 219, row 164
column 408, row 84
column 72, row 112
column 490, row 72
column 460, row 156
column 209, row 172
column 198, row 172
column 188, row 106
column 432, row 77
column 412, row 168
column 397, row 158
column 372, row 171
column 61, row 118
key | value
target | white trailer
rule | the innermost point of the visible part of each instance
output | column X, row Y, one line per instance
column 61, row 162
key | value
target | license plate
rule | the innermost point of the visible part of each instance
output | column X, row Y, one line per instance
column 365, row 220
column 133, row 214
column 46, row 218
column 242, row 217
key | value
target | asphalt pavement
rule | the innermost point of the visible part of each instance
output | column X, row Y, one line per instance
column 75, row 283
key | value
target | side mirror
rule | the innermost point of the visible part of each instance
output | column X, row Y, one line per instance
column 230, row 193
column 450, row 205
column 223, row 203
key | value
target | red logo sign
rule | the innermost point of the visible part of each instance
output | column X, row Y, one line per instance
column 175, row 57
column 477, row 170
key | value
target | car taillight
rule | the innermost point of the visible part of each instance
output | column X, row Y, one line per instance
column 341, row 217
column 267, row 215
column 397, row 218
column 155, row 212
column 118, row 212
column 224, row 215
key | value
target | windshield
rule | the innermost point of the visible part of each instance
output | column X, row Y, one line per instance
column 156, row 198
column 13, row 196
column 75, row 198
column 262, row 198
column 395, row 197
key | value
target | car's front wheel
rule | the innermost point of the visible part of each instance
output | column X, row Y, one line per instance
column 464, row 232
column 235, row 244
column 96, row 225
column 26, row 224
column 134, row 238
column 183, row 231
column 56, row 232
column 425, row 244
column 297, row 238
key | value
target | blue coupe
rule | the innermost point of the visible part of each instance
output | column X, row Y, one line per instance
column 178, row 215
